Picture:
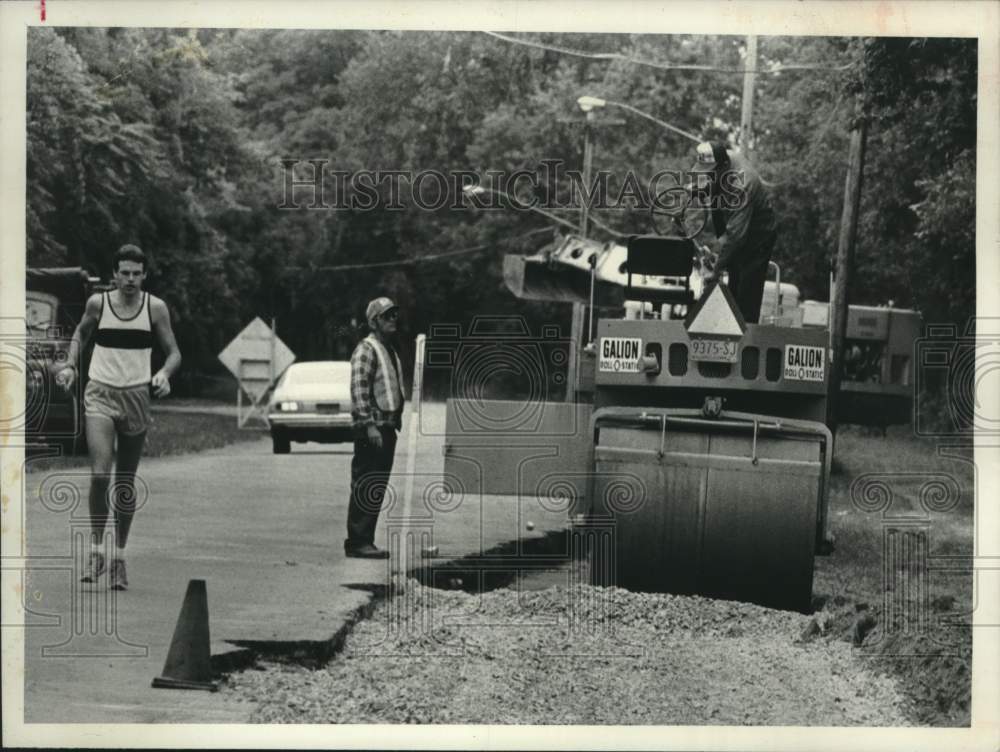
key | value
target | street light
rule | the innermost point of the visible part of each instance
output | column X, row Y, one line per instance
column 478, row 190
column 588, row 103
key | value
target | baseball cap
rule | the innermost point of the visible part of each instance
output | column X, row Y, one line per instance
column 377, row 307
column 711, row 155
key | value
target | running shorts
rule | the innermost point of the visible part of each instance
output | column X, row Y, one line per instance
column 128, row 407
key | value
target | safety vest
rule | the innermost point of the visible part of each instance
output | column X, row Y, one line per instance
column 388, row 390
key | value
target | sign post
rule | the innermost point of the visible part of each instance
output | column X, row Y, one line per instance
column 256, row 357
column 412, row 531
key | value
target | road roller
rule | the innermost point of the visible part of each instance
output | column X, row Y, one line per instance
column 699, row 460
column 711, row 455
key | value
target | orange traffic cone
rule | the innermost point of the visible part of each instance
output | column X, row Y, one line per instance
column 187, row 665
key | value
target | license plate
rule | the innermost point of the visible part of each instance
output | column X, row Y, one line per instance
column 328, row 407
column 714, row 350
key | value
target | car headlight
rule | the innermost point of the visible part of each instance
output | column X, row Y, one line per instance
column 288, row 406
column 35, row 378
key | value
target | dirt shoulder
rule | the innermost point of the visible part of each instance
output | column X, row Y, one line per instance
column 900, row 508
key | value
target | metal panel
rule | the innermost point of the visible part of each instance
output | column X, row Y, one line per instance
column 667, row 333
column 692, row 512
column 868, row 323
column 536, row 278
column 509, row 447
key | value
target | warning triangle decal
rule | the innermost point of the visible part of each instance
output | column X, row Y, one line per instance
column 716, row 315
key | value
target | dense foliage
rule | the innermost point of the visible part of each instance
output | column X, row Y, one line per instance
column 173, row 139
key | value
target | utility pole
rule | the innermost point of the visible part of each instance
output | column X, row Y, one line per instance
column 588, row 159
column 579, row 309
column 749, row 78
column 845, row 262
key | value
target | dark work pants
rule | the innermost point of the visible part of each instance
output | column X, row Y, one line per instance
column 370, row 470
column 746, row 283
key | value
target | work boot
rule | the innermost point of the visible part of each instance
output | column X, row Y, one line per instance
column 365, row 551
column 94, row 568
column 117, row 580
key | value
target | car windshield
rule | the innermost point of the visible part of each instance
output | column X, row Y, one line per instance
column 39, row 313
column 317, row 373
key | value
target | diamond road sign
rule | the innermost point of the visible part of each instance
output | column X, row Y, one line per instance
column 248, row 358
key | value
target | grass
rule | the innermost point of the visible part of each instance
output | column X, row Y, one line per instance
column 906, row 617
column 172, row 433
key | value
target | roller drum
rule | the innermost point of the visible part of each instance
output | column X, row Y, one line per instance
column 715, row 512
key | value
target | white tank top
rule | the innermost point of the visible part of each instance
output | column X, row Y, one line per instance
column 123, row 347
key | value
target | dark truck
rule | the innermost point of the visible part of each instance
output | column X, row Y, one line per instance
column 55, row 300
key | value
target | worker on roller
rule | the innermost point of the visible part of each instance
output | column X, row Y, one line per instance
column 743, row 221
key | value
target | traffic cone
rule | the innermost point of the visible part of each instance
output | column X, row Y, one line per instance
column 187, row 665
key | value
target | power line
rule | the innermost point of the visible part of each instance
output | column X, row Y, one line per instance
column 610, row 56
column 555, row 218
column 420, row 259
column 606, row 228
column 449, row 254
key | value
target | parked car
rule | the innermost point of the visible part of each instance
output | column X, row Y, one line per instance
column 54, row 303
column 311, row 402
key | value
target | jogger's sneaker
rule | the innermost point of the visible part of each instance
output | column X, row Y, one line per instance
column 116, row 575
column 94, row 568
column 365, row 551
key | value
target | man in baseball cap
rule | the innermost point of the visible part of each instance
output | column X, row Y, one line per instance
column 376, row 410
column 377, row 307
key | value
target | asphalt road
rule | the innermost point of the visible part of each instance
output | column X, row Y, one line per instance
column 264, row 531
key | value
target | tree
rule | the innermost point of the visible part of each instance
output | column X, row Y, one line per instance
column 174, row 139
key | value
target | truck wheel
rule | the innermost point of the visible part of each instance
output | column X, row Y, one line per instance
column 280, row 443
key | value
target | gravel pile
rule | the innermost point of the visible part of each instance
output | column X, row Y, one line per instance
column 576, row 655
